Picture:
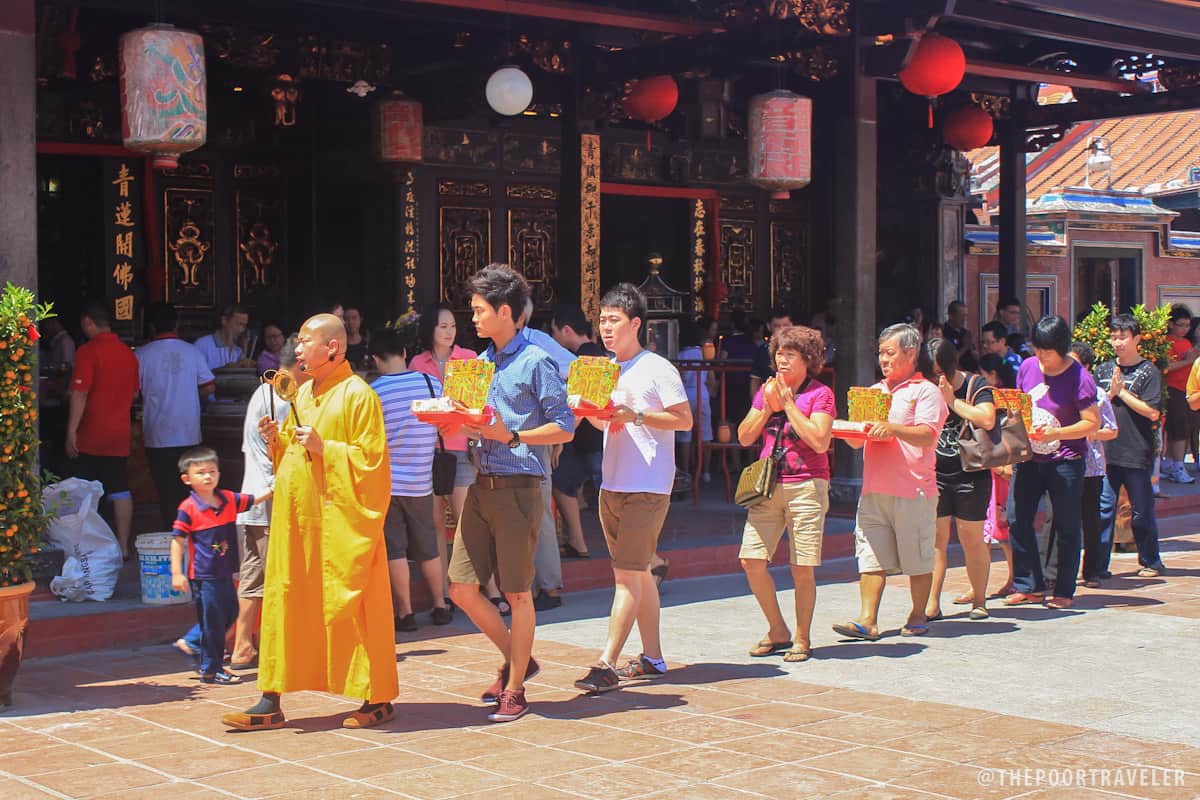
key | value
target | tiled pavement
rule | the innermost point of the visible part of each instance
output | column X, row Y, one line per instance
column 951, row 715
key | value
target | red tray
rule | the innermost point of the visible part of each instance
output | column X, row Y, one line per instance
column 443, row 418
column 586, row 409
column 851, row 435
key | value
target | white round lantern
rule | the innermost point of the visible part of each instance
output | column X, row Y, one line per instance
column 509, row 91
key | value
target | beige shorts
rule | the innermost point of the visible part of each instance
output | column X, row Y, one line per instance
column 253, row 540
column 895, row 534
column 798, row 508
column 632, row 522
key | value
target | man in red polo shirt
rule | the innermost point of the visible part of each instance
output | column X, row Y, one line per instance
column 103, row 386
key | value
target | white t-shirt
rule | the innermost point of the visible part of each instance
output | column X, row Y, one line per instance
column 638, row 458
column 216, row 354
column 259, row 475
column 171, row 372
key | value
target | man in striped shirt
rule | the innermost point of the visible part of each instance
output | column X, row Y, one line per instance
column 408, row 530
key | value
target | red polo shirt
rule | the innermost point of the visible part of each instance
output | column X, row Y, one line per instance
column 107, row 371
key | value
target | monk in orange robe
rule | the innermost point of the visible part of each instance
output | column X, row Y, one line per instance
column 327, row 606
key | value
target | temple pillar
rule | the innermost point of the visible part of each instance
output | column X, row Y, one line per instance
column 1011, row 219
column 854, row 237
column 18, row 145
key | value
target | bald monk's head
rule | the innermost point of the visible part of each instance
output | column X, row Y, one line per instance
column 321, row 345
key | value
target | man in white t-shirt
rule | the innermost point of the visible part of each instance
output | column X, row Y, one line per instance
column 174, row 377
column 223, row 347
column 639, row 472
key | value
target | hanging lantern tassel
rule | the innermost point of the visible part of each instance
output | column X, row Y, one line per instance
column 932, row 100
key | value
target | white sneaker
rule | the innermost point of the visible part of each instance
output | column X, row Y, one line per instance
column 1181, row 474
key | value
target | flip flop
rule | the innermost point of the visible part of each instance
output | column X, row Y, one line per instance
column 501, row 605
column 914, row 630
column 935, row 617
column 369, row 719
column 964, row 600
column 797, row 654
column 768, row 648
column 241, row 721
column 1023, row 599
column 1147, row 572
column 855, row 630
column 250, row 664
column 660, row 572
column 1059, row 603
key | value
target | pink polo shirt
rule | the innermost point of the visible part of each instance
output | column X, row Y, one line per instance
column 894, row 467
column 426, row 363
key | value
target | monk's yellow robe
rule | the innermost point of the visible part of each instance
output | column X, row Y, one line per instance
column 327, row 604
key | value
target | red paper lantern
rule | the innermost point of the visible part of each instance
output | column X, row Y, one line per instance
column 780, row 133
column 399, row 129
column 652, row 99
column 967, row 128
column 164, row 107
column 937, row 67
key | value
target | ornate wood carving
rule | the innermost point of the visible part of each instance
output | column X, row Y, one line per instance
column 533, row 250
column 737, row 204
column 737, row 257
column 261, row 245
column 789, row 264
column 464, row 189
column 459, row 146
column 589, row 223
column 255, row 171
column 465, row 247
column 188, row 247
column 190, row 169
column 531, row 191
column 532, row 153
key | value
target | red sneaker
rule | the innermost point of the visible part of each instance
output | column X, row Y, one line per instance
column 491, row 695
column 512, row 706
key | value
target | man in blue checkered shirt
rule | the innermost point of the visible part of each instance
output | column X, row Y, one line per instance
column 498, row 530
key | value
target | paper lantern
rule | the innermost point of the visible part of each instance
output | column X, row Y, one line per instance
column 967, row 128
column 780, row 133
column 937, row 67
column 398, row 129
column 164, row 108
column 652, row 99
column 509, row 91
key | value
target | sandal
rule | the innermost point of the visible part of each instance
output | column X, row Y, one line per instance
column 964, row 600
column 1059, row 603
column 977, row 613
column 223, row 678
column 565, row 550
column 934, row 617
column 243, row 721
column 768, row 648
column 914, row 630
column 855, row 630
column 1147, row 572
column 1003, row 591
column 1091, row 583
column 384, row 712
column 797, row 654
column 502, row 605
column 660, row 572
column 1023, row 599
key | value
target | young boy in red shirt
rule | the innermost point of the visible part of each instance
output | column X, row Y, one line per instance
column 207, row 525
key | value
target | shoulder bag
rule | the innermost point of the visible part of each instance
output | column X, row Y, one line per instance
column 445, row 463
column 757, row 481
column 1006, row 443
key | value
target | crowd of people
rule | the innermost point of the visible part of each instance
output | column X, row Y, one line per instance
column 343, row 486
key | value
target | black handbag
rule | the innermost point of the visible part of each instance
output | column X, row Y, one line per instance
column 445, row 463
column 757, row 481
column 1006, row 443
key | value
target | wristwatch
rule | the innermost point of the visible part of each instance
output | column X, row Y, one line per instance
column 515, row 441
column 639, row 418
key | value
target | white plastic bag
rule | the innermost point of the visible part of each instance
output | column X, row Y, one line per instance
column 93, row 557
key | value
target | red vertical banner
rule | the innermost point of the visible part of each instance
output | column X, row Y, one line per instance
column 124, row 239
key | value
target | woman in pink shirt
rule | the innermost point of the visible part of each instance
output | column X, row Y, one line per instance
column 437, row 330
column 797, row 410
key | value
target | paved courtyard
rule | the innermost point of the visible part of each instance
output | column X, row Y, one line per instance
column 1098, row 702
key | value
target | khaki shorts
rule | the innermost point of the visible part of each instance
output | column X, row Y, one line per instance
column 497, row 536
column 632, row 522
column 800, row 509
column 252, row 541
column 895, row 534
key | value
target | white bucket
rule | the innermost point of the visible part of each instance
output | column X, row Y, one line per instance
column 154, row 553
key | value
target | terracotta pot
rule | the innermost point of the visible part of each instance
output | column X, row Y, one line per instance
column 14, row 619
column 708, row 351
column 724, row 433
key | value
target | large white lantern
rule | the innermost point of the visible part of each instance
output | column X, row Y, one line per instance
column 509, row 91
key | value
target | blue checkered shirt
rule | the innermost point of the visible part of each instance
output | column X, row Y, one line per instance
column 527, row 392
